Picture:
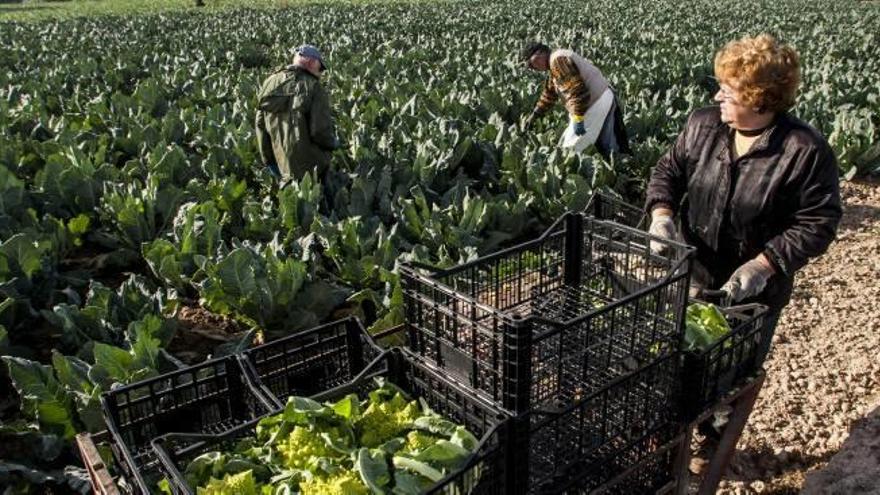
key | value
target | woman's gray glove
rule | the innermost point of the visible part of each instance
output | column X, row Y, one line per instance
column 749, row 280
column 663, row 226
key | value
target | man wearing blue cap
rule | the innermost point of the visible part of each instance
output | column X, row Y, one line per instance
column 295, row 130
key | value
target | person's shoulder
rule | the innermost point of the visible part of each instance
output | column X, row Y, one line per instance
column 281, row 72
column 308, row 83
column 300, row 81
column 812, row 151
column 270, row 84
column 277, row 76
column 710, row 114
column 303, row 76
column 560, row 53
column 803, row 135
column 706, row 117
column 274, row 76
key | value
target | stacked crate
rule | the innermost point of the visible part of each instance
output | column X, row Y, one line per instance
column 576, row 335
column 707, row 375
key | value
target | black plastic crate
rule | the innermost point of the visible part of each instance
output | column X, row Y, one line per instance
column 210, row 397
column 604, row 206
column 551, row 318
column 661, row 471
column 710, row 374
column 578, row 447
column 484, row 473
column 311, row 361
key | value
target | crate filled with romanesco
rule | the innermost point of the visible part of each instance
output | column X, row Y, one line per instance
column 371, row 436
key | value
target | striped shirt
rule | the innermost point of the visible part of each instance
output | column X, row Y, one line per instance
column 578, row 81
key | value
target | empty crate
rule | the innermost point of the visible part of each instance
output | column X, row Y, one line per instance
column 552, row 319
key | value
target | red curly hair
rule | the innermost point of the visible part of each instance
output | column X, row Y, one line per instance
column 764, row 72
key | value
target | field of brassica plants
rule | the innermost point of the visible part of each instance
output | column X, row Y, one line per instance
column 130, row 185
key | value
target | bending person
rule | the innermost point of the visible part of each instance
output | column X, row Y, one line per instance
column 593, row 108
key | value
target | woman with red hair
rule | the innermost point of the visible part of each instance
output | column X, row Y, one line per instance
column 754, row 189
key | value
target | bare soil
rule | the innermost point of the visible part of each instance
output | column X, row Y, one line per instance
column 200, row 332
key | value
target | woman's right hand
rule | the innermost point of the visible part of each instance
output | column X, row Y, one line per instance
column 662, row 226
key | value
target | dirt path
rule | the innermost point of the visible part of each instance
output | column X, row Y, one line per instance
column 824, row 371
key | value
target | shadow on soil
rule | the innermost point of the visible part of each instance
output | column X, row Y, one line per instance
column 785, row 468
column 855, row 469
column 856, row 216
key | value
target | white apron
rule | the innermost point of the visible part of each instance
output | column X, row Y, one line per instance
column 594, row 119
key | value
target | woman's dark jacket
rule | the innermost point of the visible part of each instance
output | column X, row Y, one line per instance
column 781, row 198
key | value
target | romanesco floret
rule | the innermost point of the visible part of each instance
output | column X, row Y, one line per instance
column 302, row 446
column 232, row 484
column 410, row 413
column 344, row 483
column 386, row 420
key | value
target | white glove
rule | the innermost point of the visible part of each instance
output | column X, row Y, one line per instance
column 749, row 280
column 661, row 226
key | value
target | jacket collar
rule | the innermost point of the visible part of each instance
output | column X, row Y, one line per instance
column 774, row 132
column 776, row 129
column 299, row 70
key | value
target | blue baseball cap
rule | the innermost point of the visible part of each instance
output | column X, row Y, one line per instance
column 312, row 52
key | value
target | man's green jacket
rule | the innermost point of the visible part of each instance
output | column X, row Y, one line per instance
column 294, row 125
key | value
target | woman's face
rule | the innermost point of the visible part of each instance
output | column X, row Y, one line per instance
column 734, row 113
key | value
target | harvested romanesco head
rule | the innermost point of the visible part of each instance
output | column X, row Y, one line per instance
column 232, row 484
column 302, row 446
column 383, row 421
column 346, row 483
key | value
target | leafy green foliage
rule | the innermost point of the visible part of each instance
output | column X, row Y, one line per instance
column 384, row 444
column 269, row 290
column 22, row 255
column 113, row 316
column 63, row 398
column 43, row 398
column 704, row 325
